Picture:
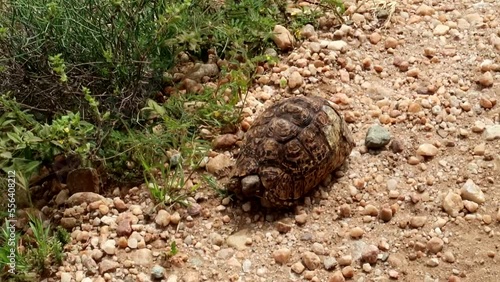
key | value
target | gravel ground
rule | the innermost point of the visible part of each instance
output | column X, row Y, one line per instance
column 418, row 200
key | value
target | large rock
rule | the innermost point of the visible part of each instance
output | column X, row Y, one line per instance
column 283, row 38
column 377, row 137
column 83, row 180
column 83, row 197
column 472, row 192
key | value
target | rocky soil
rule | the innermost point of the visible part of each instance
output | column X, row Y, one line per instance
column 418, row 200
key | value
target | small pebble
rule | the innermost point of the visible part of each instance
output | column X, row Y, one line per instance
column 449, row 257
column 337, row 276
column 329, row 263
column 393, row 274
column 486, row 79
column 386, row 214
column 418, row 221
column 432, row 262
column 298, row 267
column 452, row 204
column 345, row 260
column 311, row 260
column 391, row 42
column 370, row 254
column 435, row 245
column 301, row 219
column 348, row 271
column 427, row 150
column 356, row 232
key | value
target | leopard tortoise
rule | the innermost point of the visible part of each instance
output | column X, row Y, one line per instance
column 290, row 148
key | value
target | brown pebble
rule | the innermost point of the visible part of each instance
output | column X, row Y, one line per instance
column 175, row 218
column 375, row 38
column 298, row 267
column 397, row 146
column 282, row 256
column 393, row 274
column 404, row 66
column 311, row 260
column 301, row 218
column 418, row 221
column 337, row 276
column 283, row 227
column 122, row 242
column 391, row 42
column 485, row 103
column 454, row 278
column 486, row 79
column 414, row 72
column 378, row 68
column 348, row 271
column 345, row 210
column 413, row 160
column 429, row 52
column 370, row 254
column 350, row 117
column 367, row 63
column 370, row 210
column 356, row 232
column 487, row 219
column 397, row 61
column 245, row 125
column 345, row 260
column 449, row 257
column 386, row 214
column 414, row 108
column 435, row 245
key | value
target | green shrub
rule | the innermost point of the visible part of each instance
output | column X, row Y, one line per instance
column 25, row 143
column 119, row 49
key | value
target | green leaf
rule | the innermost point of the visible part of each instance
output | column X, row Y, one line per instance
column 34, row 139
column 6, row 155
column 7, row 122
column 31, row 166
column 57, row 144
column 14, row 138
column 156, row 108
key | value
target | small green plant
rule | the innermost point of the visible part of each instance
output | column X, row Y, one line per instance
column 13, row 264
column 46, row 249
column 63, row 235
column 167, row 181
column 173, row 249
column 37, row 253
column 283, row 83
column 58, row 66
column 212, row 183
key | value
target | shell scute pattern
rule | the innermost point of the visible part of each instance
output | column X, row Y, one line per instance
column 291, row 147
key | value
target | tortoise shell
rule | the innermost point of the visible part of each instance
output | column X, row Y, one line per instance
column 290, row 148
